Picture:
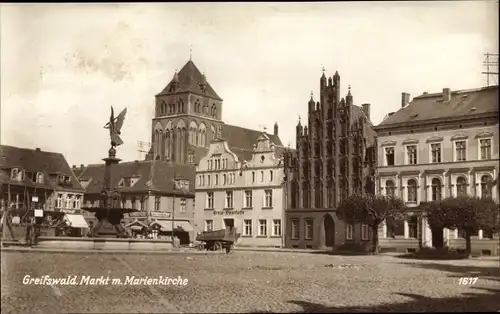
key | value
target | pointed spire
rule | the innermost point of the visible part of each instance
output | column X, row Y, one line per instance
column 191, row 53
column 176, row 77
column 323, row 69
column 312, row 95
column 299, row 122
column 349, row 90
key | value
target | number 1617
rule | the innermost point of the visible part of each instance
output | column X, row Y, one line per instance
column 463, row 281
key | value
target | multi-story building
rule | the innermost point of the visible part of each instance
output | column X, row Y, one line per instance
column 32, row 178
column 148, row 188
column 243, row 191
column 334, row 158
column 438, row 145
column 188, row 116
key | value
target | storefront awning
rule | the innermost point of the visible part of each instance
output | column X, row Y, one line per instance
column 166, row 226
column 184, row 225
column 136, row 228
column 76, row 221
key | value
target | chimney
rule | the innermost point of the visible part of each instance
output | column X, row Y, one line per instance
column 405, row 99
column 366, row 110
column 446, row 94
column 276, row 128
column 38, row 149
column 81, row 165
column 74, row 167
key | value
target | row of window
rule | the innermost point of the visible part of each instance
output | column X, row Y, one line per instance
column 205, row 110
column 165, row 109
column 19, row 175
column 247, row 199
column 68, row 201
column 436, row 188
column 248, row 227
column 230, row 178
column 309, row 230
column 182, row 204
column 436, row 152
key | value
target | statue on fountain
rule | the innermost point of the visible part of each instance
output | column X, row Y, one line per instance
column 110, row 205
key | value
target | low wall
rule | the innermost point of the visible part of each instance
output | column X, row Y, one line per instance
column 398, row 245
column 103, row 244
column 478, row 246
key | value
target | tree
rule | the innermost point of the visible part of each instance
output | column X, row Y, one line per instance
column 371, row 210
column 466, row 213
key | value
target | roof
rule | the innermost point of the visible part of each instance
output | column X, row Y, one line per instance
column 162, row 173
column 34, row 160
column 189, row 81
column 241, row 141
column 357, row 113
column 430, row 106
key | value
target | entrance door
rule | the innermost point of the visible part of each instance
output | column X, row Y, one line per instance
column 437, row 237
column 329, row 226
column 229, row 223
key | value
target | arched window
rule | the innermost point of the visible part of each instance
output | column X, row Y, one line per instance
column 486, row 186
column 436, row 189
column 208, row 180
column 214, row 110
column 306, row 201
column 412, row 190
column 389, row 188
column 216, row 179
column 461, row 186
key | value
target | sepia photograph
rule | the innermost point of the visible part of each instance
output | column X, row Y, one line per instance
column 250, row 157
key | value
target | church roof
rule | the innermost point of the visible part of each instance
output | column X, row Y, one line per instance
column 189, row 81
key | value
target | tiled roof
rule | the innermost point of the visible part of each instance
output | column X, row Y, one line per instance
column 241, row 141
column 189, row 81
column 31, row 160
column 162, row 172
column 461, row 104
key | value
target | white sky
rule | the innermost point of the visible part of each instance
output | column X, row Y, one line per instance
column 64, row 65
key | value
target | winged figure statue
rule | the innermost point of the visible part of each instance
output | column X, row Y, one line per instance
column 115, row 125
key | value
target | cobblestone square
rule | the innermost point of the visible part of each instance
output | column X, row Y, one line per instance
column 250, row 282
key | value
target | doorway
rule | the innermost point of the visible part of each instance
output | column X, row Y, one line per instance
column 229, row 223
column 437, row 237
column 329, row 226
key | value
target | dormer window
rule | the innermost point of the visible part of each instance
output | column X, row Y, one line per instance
column 39, row 178
column 64, row 180
column 17, row 174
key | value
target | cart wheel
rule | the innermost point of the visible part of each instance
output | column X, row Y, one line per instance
column 201, row 246
column 217, row 246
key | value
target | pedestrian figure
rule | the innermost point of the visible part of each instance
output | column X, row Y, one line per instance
column 6, row 220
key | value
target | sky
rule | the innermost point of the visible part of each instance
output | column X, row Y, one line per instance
column 64, row 65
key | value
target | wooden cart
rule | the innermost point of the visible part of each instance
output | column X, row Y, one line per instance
column 218, row 240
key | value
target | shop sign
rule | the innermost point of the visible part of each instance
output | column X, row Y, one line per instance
column 228, row 212
column 136, row 215
column 160, row 215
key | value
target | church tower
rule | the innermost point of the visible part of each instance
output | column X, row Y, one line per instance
column 188, row 116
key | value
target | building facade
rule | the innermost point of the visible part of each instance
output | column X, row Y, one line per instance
column 35, row 179
column 436, row 146
column 246, row 194
column 335, row 157
column 188, row 116
column 147, row 187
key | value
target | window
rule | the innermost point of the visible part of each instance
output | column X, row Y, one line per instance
column 389, row 188
column 182, row 205
column 412, row 191
column 271, row 175
column 413, row 227
column 262, row 176
column 411, row 154
column 39, row 178
column 460, row 150
column 436, row 189
column 142, row 203
column 295, row 229
column 208, row 180
column 209, row 225
column 395, row 229
column 69, row 201
column 389, row 156
column 248, row 199
column 309, row 229
column 349, row 230
column 210, row 200
column 76, row 201
column 262, row 227
column 461, row 186
column 216, row 179
column 13, row 173
column 247, row 230
column 268, row 198
column 436, row 152
column 486, row 186
column 229, row 199
column 277, row 227
column 59, row 201
column 224, row 179
column 157, row 203
column 485, row 146
column 253, row 176
column 134, row 203
column 364, row 232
